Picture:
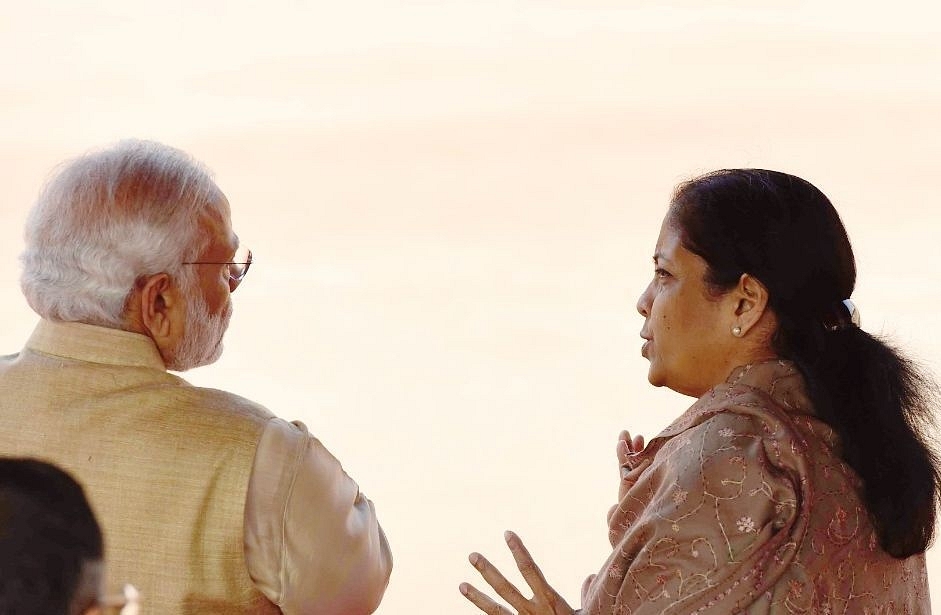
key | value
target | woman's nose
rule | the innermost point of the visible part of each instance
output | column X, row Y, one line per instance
column 643, row 302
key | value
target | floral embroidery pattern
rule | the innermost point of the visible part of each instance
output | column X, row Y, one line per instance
column 745, row 525
column 744, row 491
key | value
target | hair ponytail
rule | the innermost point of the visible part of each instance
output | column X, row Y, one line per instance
column 879, row 403
column 784, row 231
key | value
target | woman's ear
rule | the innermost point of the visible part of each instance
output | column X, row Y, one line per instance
column 751, row 302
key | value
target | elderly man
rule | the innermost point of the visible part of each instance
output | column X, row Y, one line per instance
column 209, row 503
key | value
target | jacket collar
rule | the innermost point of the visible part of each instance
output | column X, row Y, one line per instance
column 94, row 344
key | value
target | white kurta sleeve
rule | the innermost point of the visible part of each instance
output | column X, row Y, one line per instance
column 312, row 541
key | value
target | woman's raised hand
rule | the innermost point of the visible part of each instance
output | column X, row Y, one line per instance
column 627, row 445
column 545, row 600
column 627, row 473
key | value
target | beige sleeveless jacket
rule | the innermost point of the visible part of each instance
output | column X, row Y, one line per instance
column 165, row 464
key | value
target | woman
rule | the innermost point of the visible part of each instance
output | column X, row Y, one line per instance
column 801, row 480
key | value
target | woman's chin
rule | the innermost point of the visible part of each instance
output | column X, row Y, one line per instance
column 654, row 376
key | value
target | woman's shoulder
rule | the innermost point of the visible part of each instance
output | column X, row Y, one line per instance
column 734, row 408
column 764, row 398
column 726, row 436
column 744, row 426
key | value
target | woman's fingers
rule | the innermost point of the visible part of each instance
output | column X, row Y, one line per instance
column 545, row 600
column 623, row 448
column 482, row 601
column 629, row 476
column 628, row 445
column 534, row 577
column 586, row 586
column 498, row 582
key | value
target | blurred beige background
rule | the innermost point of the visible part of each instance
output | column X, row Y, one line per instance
column 453, row 206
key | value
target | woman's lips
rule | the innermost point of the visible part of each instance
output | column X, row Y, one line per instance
column 643, row 348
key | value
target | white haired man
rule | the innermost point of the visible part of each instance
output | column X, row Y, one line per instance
column 210, row 504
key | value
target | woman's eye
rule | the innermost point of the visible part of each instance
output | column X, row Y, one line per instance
column 661, row 273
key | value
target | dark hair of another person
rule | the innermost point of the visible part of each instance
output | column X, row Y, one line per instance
column 785, row 232
column 47, row 534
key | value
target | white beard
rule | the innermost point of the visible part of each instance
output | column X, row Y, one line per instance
column 202, row 340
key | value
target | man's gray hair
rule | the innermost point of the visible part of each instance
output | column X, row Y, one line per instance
column 109, row 218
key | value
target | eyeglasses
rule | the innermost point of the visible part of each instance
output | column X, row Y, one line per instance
column 126, row 603
column 238, row 266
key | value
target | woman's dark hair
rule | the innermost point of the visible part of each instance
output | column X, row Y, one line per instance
column 785, row 232
column 48, row 534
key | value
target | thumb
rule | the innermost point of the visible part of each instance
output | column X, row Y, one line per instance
column 587, row 586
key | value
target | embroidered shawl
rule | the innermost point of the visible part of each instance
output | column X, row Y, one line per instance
column 747, row 507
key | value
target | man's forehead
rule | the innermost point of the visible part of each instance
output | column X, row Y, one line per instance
column 226, row 213
column 218, row 228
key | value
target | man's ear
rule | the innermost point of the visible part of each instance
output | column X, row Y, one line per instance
column 158, row 304
column 751, row 302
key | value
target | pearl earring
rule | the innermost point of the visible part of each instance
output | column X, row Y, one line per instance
column 737, row 331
